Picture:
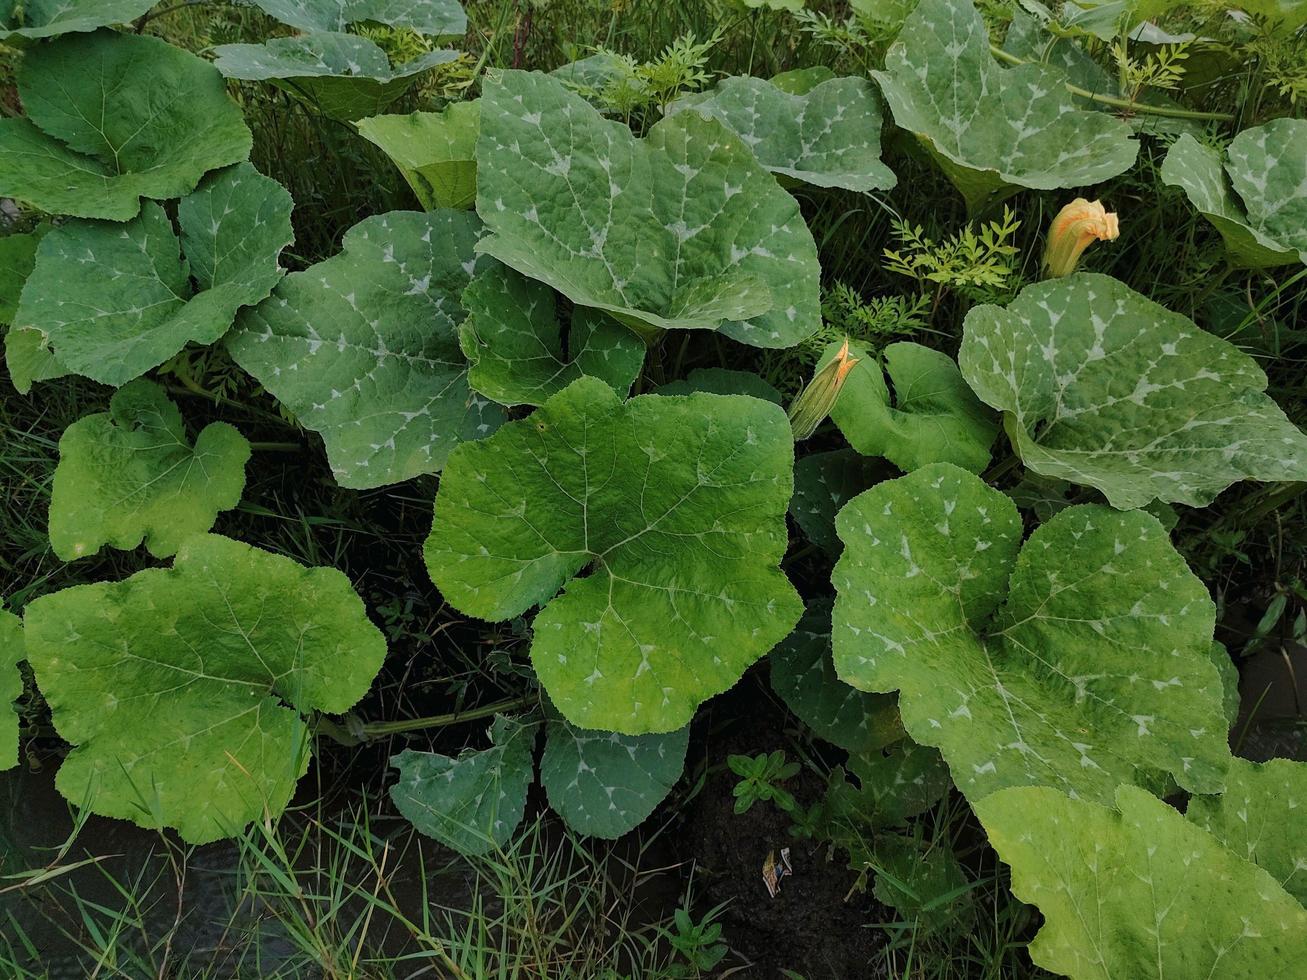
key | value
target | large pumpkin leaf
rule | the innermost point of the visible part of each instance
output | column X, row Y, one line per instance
column 923, row 882
column 363, row 347
column 433, row 18
column 514, row 343
column 115, row 300
column 345, row 76
column 828, row 136
column 129, row 475
column 474, row 802
column 1268, row 170
column 894, row 783
column 48, row 18
column 681, row 229
column 825, row 482
column 1196, row 169
column 803, row 674
column 935, row 417
column 603, row 783
column 1261, row 817
column 677, row 507
column 723, row 381
column 1139, row 891
column 17, row 260
column 1105, row 388
column 112, row 118
column 435, row 151
column 11, row 686
column 993, row 129
column 183, row 690
column 1082, row 662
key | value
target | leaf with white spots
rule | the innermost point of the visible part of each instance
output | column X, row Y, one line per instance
column 130, row 474
column 1079, row 660
column 824, row 483
column 935, row 417
column 474, row 802
column 50, row 18
column 1262, row 817
column 828, row 136
column 895, row 783
column 675, row 506
column 803, row 674
column 993, row 129
column 1140, row 892
column 435, row 151
column 603, row 783
column 1197, row 170
column 431, row 18
column 1104, row 388
column 184, row 691
column 345, row 76
column 682, row 229
column 113, row 300
column 112, row 118
column 363, row 347
column 11, row 686
column 923, row 882
column 515, row 344
column 1229, row 682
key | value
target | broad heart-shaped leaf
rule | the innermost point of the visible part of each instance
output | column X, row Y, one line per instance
column 803, row 674
column 681, row 229
column 17, row 259
column 993, row 128
column 829, row 136
column 435, row 151
column 433, row 18
column 723, row 381
column 1268, row 169
column 11, row 686
column 895, row 783
column 363, row 347
column 935, row 417
column 825, row 482
column 48, row 18
column 345, row 76
column 183, row 690
column 514, row 343
column 474, row 802
column 1083, row 662
column 604, row 784
column 114, row 300
column 130, row 474
column 677, row 507
column 1196, row 169
column 1262, row 817
column 1102, row 387
column 112, row 118
column 1140, row 892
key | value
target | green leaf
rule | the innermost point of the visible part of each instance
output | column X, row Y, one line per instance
column 682, row 229
column 17, row 259
column 722, row 381
column 345, row 76
column 1105, row 388
column 514, row 343
column 825, row 482
column 48, row 18
column 603, row 783
column 112, row 118
column 11, row 686
column 994, row 128
column 935, row 417
column 129, row 475
column 183, row 690
column 1261, row 818
column 1196, row 169
column 363, row 347
column 1268, row 168
column 472, row 803
column 923, row 882
column 29, row 359
column 828, row 136
column 803, row 674
column 433, row 18
column 1229, row 682
column 676, row 505
column 895, row 783
column 1082, row 662
column 1139, row 891
column 114, row 300
column 435, row 151
column 801, row 81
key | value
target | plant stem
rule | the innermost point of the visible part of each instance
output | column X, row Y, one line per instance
column 276, row 447
column 379, row 729
column 1001, row 469
column 1139, row 108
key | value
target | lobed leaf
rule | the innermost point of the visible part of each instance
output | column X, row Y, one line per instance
column 129, row 475
column 824, row 483
column 184, row 690
column 676, row 506
column 435, row 151
column 49, row 18
column 433, row 18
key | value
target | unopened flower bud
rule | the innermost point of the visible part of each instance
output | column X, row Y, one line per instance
column 818, row 398
column 1075, row 227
